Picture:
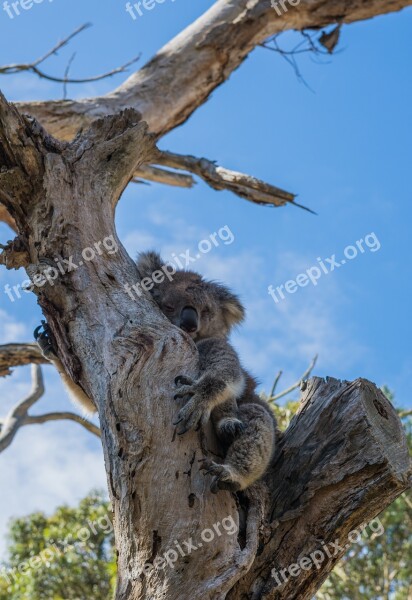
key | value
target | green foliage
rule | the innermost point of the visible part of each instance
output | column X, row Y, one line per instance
column 285, row 413
column 67, row 556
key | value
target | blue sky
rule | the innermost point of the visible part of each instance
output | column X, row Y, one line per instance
column 344, row 146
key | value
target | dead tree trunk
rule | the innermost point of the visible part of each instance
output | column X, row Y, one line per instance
column 342, row 460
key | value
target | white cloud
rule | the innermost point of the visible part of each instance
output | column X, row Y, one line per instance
column 10, row 329
column 138, row 241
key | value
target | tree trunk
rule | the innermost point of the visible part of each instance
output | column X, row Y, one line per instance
column 342, row 460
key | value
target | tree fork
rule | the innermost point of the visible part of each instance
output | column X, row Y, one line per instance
column 341, row 461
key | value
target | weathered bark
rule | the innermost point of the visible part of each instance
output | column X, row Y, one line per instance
column 126, row 355
column 183, row 74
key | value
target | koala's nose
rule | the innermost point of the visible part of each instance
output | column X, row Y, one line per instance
column 189, row 319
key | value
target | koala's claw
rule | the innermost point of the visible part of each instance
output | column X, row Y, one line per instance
column 184, row 390
column 222, row 478
column 183, row 380
column 191, row 416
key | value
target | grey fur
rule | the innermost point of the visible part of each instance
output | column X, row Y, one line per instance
column 224, row 391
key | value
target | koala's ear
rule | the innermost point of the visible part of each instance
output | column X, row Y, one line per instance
column 232, row 308
column 148, row 262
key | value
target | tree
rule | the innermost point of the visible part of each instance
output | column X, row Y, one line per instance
column 69, row 555
column 344, row 455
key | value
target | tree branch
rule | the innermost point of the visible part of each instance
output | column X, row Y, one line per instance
column 152, row 173
column 5, row 217
column 342, row 460
column 16, row 355
column 183, row 74
column 63, row 416
column 18, row 416
column 33, row 67
column 295, row 386
column 15, row 419
column 220, row 178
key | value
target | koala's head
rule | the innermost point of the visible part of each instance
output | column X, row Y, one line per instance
column 201, row 308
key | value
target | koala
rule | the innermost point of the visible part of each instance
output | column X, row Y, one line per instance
column 223, row 391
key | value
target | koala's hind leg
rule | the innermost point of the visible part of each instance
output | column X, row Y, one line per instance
column 250, row 453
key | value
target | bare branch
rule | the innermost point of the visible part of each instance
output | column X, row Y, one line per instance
column 151, row 173
column 275, row 383
column 63, row 416
column 295, row 386
column 309, row 43
column 62, row 43
column 405, row 413
column 66, row 75
column 21, row 409
column 15, row 419
column 18, row 416
column 220, row 178
column 33, row 67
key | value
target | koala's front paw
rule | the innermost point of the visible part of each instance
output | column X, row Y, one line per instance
column 200, row 396
column 191, row 416
column 222, row 479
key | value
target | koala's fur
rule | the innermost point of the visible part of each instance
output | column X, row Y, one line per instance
column 224, row 391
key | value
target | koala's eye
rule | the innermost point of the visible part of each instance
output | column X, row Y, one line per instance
column 206, row 312
column 168, row 307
